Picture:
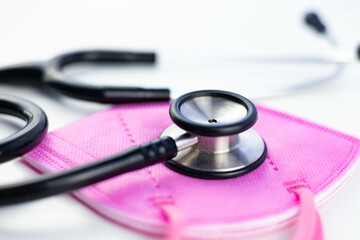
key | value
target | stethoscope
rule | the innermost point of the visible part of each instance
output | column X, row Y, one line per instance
column 211, row 138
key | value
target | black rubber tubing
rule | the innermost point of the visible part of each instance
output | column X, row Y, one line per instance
column 55, row 77
column 51, row 74
column 29, row 136
column 132, row 159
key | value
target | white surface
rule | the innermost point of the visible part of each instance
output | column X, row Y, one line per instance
column 181, row 31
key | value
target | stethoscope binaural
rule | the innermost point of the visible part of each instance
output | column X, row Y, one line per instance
column 51, row 73
column 211, row 138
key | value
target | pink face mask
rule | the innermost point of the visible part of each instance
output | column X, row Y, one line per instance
column 306, row 165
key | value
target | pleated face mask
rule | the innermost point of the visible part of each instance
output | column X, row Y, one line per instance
column 305, row 166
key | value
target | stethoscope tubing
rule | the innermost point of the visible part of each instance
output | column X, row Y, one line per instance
column 34, row 132
column 132, row 159
column 30, row 135
column 55, row 77
column 51, row 74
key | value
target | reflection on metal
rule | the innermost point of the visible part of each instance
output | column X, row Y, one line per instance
column 216, row 154
column 211, row 110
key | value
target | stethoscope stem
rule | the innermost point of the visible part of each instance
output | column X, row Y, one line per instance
column 132, row 159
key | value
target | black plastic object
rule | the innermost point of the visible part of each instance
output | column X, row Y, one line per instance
column 358, row 52
column 29, row 136
column 51, row 74
column 216, row 129
column 28, row 74
column 313, row 20
column 132, row 159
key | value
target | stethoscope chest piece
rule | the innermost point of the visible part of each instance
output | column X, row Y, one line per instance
column 213, row 135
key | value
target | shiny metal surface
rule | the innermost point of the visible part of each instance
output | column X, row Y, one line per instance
column 182, row 138
column 218, row 154
column 218, row 144
column 213, row 110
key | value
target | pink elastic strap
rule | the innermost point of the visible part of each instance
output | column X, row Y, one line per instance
column 174, row 218
column 310, row 226
column 319, row 234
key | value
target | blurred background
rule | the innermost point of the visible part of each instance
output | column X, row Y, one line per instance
column 200, row 44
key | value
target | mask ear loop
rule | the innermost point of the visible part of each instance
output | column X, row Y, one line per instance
column 174, row 217
column 309, row 225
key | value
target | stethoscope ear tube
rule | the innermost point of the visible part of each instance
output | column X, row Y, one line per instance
column 51, row 74
column 27, row 74
column 132, row 159
column 55, row 77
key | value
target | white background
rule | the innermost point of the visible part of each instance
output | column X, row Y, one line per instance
column 199, row 45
